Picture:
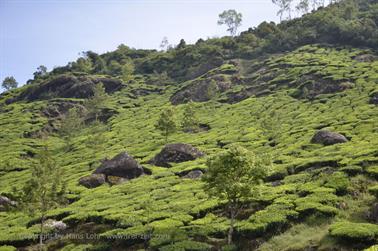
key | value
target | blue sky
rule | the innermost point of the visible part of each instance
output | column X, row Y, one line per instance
column 53, row 32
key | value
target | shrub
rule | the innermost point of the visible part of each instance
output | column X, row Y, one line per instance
column 356, row 232
column 7, row 248
column 186, row 245
column 339, row 181
column 351, row 170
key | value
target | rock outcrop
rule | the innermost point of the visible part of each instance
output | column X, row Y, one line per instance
column 67, row 86
column 374, row 98
column 122, row 165
column 194, row 174
column 175, row 153
column 326, row 138
column 6, row 203
column 93, row 180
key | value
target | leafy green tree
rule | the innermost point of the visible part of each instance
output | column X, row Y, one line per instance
column 190, row 121
column 84, row 64
column 212, row 89
column 232, row 177
column 70, row 125
column 232, row 19
column 96, row 103
column 181, row 45
column 271, row 126
column 44, row 190
column 9, row 83
column 127, row 70
column 41, row 72
column 96, row 140
column 166, row 123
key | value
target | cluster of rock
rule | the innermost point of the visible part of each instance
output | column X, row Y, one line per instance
column 124, row 167
column 119, row 169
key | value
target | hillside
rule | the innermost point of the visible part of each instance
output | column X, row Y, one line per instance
column 268, row 90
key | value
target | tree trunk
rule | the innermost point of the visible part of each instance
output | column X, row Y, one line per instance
column 231, row 230
column 41, row 233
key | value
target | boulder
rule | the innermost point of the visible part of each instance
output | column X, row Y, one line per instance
column 115, row 180
column 194, row 174
column 373, row 213
column 326, row 138
column 55, row 225
column 6, row 203
column 374, row 98
column 366, row 58
column 175, row 153
column 93, row 180
column 122, row 165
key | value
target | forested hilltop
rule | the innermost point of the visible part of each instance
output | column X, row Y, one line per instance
column 266, row 140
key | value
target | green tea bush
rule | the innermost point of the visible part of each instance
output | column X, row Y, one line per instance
column 359, row 232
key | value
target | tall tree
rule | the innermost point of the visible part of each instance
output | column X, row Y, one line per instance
column 284, row 6
column 189, row 121
column 164, row 43
column 232, row 176
column 96, row 140
column 303, row 6
column 41, row 72
column 232, row 19
column 96, row 103
column 44, row 190
column 166, row 123
column 9, row 83
column 70, row 125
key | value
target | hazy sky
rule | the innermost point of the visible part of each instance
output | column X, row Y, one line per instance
column 53, row 32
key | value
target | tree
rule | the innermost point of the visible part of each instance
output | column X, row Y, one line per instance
column 181, row 45
column 96, row 140
column 71, row 123
column 284, row 6
column 84, row 64
column 303, row 6
column 41, row 72
column 127, row 70
column 190, row 121
column 44, row 190
column 271, row 126
column 232, row 19
column 9, row 83
column 164, row 43
column 166, row 123
column 96, row 103
column 232, row 176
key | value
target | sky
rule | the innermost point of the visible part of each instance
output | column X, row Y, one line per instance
column 54, row 32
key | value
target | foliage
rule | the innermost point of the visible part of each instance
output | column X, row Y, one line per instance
column 45, row 189
column 166, row 123
column 232, row 19
column 360, row 232
column 190, row 121
column 95, row 103
column 71, row 124
column 9, row 83
column 231, row 176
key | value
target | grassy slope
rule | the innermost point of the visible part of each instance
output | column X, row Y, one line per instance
column 178, row 208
